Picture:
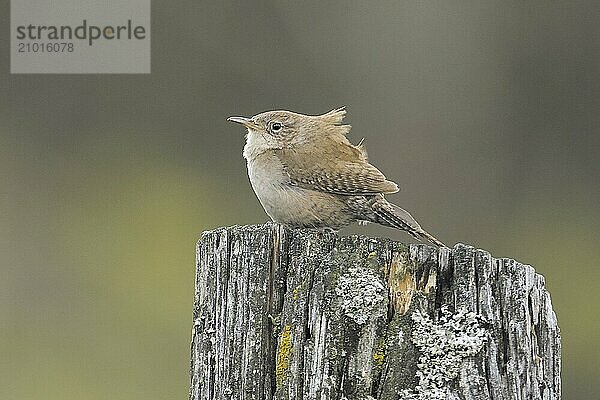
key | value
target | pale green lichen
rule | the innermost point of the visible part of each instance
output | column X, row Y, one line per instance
column 361, row 294
column 284, row 354
column 444, row 347
column 275, row 321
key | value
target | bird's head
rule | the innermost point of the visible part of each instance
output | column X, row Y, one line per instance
column 286, row 129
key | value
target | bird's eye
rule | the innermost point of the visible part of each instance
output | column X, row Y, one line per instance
column 276, row 126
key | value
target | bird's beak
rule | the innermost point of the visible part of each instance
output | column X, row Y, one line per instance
column 247, row 122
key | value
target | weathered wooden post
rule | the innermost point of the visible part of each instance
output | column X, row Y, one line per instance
column 284, row 313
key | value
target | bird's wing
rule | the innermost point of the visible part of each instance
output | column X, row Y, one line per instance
column 343, row 171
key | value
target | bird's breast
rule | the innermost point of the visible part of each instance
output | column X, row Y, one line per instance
column 289, row 204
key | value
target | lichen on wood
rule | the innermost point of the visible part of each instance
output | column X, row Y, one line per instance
column 284, row 353
column 443, row 346
column 286, row 313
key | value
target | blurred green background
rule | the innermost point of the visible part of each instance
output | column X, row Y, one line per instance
column 486, row 113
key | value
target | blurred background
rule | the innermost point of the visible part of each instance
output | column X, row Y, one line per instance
column 487, row 114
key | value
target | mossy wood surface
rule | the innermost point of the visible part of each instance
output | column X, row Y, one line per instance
column 303, row 314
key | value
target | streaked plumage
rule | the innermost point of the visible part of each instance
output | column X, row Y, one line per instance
column 305, row 172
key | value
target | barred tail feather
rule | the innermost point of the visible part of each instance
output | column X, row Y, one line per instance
column 391, row 215
column 432, row 239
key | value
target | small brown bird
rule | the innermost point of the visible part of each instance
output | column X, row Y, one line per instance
column 306, row 173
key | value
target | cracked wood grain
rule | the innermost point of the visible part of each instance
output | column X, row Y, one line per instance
column 284, row 313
